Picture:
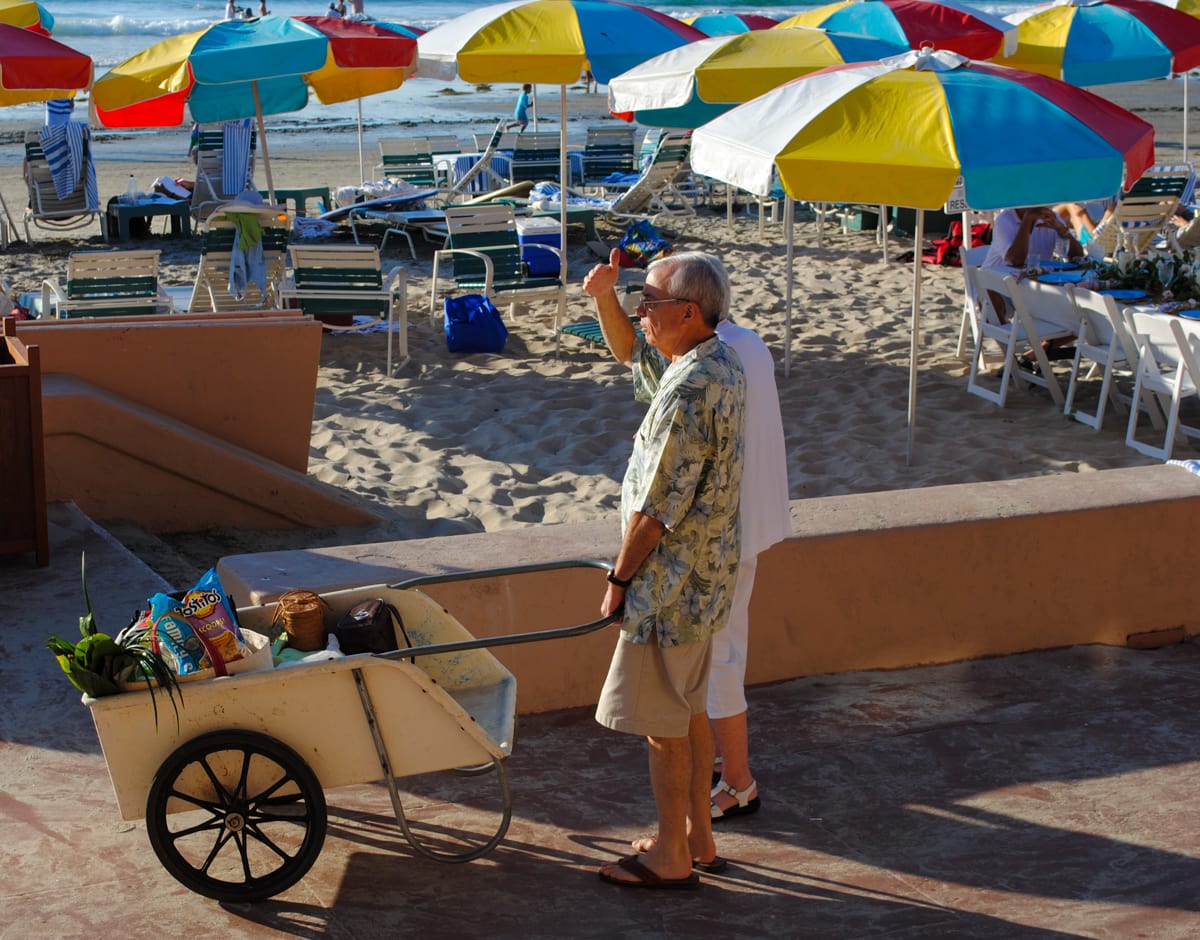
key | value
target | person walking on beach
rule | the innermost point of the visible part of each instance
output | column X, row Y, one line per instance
column 232, row 11
column 672, row 583
column 262, row 8
column 521, row 111
column 765, row 520
column 333, row 10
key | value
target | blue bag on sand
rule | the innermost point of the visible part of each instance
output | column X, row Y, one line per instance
column 473, row 324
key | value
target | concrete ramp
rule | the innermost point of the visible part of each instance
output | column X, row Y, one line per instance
column 118, row 459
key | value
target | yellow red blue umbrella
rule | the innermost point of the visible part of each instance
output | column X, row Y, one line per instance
column 905, row 130
column 26, row 14
column 34, row 67
column 247, row 68
column 941, row 24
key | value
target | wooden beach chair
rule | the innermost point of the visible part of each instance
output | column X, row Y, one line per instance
column 1142, row 214
column 107, row 284
column 335, row 283
column 409, row 159
column 506, row 141
column 46, row 209
column 607, row 150
column 211, row 293
column 536, row 157
column 214, row 185
column 485, row 255
column 656, row 191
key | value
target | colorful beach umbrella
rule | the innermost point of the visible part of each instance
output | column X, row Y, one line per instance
column 729, row 24
column 906, row 131
column 941, row 24
column 549, row 41
column 1102, row 42
column 693, row 84
column 247, row 68
column 25, row 14
column 34, row 67
column 361, row 62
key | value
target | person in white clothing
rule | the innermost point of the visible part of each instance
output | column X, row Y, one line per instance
column 765, row 520
column 232, row 11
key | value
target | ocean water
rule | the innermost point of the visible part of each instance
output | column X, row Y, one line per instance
column 112, row 38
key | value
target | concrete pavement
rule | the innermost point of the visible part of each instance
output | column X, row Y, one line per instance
column 1042, row 795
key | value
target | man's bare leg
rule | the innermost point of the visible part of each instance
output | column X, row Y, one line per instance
column 699, row 837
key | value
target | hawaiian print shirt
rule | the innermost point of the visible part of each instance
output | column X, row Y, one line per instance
column 686, row 472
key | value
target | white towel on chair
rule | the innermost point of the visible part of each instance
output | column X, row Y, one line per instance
column 235, row 164
column 68, row 154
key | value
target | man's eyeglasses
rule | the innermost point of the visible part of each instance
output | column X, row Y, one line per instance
column 647, row 305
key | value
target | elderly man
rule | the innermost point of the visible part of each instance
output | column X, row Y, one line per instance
column 673, row 578
column 765, row 520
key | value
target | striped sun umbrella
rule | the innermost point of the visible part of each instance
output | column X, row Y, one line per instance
column 904, row 131
column 37, row 68
column 549, row 41
column 1102, row 42
column 729, row 24
column 26, row 14
column 247, row 68
column 940, row 24
column 693, row 84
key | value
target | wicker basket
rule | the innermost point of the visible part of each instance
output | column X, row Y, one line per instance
column 303, row 616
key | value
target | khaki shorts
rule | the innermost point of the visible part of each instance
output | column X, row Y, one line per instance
column 654, row 691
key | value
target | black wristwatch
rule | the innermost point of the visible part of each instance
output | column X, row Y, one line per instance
column 613, row 579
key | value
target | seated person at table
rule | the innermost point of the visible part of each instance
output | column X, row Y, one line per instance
column 1032, row 232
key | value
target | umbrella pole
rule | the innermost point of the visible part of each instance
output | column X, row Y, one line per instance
column 883, row 231
column 788, row 225
column 362, row 168
column 563, row 179
column 1185, row 117
column 916, row 338
column 262, row 139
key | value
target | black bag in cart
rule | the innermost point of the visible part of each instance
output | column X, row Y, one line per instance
column 371, row 626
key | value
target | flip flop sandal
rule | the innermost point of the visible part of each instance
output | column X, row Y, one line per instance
column 745, row 804
column 648, row 879
column 714, row 867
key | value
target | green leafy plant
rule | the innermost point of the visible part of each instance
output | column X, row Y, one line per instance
column 96, row 664
column 1172, row 277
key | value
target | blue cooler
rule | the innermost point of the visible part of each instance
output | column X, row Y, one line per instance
column 534, row 233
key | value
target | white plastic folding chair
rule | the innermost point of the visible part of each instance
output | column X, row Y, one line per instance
column 1103, row 340
column 971, row 258
column 1010, row 333
column 1168, row 367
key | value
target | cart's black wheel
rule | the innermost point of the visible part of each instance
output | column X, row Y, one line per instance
column 236, row 816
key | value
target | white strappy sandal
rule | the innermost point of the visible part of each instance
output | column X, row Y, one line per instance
column 745, row 803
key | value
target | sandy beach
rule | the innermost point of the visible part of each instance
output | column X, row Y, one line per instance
column 453, row 444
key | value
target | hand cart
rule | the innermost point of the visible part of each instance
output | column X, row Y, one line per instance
column 233, row 793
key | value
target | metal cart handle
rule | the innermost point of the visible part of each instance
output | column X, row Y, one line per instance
column 510, row 639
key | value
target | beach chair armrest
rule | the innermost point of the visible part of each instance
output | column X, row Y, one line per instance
column 53, row 296
column 396, row 279
column 488, row 267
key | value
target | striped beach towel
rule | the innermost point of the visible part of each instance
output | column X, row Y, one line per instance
column 59, row 110
column 235, row 163
column 68, row 154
